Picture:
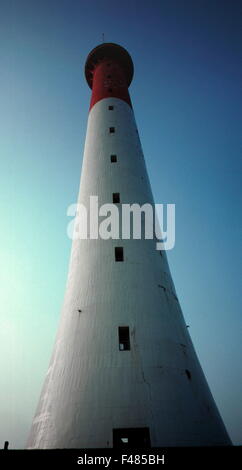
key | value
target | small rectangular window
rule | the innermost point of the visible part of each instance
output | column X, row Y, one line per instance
column 113, row 158
column 116, row 198
column 111, row 130
column 110, row 108
column 123, row 336
column 119, row 253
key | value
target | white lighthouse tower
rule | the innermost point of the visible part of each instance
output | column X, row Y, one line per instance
column 124, row 371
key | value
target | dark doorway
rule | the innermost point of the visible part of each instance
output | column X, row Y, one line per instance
column 131, row 438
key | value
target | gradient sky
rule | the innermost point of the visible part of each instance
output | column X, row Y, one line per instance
column 187, row 100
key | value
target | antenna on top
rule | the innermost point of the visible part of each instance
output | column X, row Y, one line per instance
column 103, row 37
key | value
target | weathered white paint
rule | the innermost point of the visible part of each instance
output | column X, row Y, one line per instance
column 92, row 387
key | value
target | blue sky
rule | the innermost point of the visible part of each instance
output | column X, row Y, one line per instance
column 186, row 95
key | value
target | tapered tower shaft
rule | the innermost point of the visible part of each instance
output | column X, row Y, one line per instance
column 124, row 371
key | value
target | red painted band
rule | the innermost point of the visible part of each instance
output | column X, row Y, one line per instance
column 109, row 80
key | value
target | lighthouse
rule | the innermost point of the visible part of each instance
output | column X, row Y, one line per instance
column 124, row 371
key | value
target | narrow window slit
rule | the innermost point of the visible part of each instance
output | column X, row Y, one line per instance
column 124, row 340
column 119, row 253
column 116, row 198
column 188, row 373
